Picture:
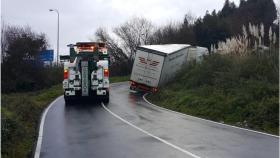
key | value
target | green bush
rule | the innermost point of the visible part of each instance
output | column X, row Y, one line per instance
column 20, row 113
column 242, row 91
column 21, row 67
column 28, row 78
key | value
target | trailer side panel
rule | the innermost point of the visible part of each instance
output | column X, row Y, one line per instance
column 147, row 68
column 172, row 64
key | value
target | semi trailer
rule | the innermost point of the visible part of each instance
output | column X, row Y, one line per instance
column 155, row 65
column 86, row 72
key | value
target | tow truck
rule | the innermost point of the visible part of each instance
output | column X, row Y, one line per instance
column 86, row 72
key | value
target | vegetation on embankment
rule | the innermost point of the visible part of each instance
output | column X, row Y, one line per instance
column 20, row 116
column 119, row 79
column 241, row 91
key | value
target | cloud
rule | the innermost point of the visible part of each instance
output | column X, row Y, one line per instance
column 80, row 18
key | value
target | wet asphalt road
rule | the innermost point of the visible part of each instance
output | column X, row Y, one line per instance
column 88, row 130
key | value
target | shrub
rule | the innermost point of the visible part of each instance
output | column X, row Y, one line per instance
column 242, row 91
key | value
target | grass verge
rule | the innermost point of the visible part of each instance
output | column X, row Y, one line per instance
column 119, row 79
column 21, row 113
column 20, row 116
column 241, row 91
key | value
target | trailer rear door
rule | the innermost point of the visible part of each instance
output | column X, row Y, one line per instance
column 147, row 68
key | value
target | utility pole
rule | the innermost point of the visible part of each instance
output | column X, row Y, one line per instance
column 57, row 47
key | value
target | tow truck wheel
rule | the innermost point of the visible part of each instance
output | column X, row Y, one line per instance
column 107, row 98
column 67, row 100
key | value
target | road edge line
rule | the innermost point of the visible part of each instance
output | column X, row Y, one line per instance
column 122, row 82
column 149, row 134
column 250, row 130
column 41, row 129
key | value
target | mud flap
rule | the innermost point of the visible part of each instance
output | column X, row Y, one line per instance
column 85, row 85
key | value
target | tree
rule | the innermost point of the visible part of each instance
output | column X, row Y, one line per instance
column 210, row 29
column 134, row 32
column 119, row 61
column 115, row 51
column 189, row 19
column 228, row 9
column 21, row 44
column 257, row 12
column 20, row 66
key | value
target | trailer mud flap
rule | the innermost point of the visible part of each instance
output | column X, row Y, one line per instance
column 85, row 85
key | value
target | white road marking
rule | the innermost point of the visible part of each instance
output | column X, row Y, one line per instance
column 162, row 140
column 41, row 129
column 40, row 136
column 271, row 135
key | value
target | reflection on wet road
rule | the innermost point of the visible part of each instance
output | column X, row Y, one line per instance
column 87, row 130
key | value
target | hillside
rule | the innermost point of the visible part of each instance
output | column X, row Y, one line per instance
column 241, row 91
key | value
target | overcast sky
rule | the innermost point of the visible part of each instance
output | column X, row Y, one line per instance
column 80, row 18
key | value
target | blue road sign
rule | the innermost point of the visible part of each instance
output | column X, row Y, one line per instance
column 46, row 55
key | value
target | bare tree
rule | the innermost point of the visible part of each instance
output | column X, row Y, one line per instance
column 169, row 33
column 190, row 18
column 114, row 49
column 3, row 43
column 134, row 32
column 278, row 18
column 120, row 65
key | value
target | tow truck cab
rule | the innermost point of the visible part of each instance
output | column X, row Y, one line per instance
column 86, row 74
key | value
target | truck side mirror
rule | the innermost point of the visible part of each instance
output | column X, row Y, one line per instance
column 64, row 58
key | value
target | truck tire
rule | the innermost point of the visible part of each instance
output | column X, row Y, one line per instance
column 67, row 100
column 107, row 98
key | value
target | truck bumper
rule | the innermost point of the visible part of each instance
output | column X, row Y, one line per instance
column 142, row 87
column 71, row 93
column 93, row 97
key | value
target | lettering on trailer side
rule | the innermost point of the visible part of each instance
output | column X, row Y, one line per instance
column 85, row 85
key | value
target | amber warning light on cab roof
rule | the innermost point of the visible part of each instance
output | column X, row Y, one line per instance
column 85, row 48
column 89, row 47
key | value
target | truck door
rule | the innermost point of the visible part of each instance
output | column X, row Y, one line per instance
column 147, row 68
column 153, row 69
column 138, row 72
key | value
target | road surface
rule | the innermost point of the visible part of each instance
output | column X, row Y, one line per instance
column 128, row 127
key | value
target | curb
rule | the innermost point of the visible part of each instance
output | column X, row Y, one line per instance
column 122, row 82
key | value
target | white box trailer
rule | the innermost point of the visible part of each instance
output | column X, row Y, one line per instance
column 155, row 65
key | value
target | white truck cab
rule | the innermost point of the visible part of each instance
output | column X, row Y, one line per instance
column 86, row 75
